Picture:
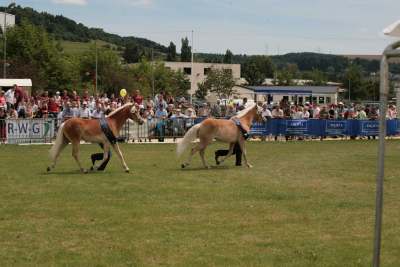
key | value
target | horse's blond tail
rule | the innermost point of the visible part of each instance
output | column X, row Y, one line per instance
column 59, row 143
column 190, row 136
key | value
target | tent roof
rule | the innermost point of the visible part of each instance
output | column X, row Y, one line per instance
column 19, row 82
column 294, row 90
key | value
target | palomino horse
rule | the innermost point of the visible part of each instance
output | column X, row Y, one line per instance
column 222, row 130
column 74, row 130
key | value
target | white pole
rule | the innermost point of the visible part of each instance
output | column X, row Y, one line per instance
column 381, row 161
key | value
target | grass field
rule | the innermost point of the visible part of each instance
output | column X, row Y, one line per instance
column 303, row 204
column 81, row 47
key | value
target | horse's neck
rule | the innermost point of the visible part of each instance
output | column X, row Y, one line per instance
column 247, row 119
column 118, row 119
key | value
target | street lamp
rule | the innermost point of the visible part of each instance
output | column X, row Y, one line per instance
column 391, row 51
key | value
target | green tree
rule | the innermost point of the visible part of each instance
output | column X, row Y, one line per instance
column 353, row 80
column 171, row 55
column 220, row 82
column 256, row 69
column 318, row 77
column 228, row 58
column 287, row 74
column 202, row 91
column 132, row 53
column 32, row 53
column 186, row 51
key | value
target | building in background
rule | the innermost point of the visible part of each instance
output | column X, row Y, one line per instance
column 200, row 71
column 6, row 19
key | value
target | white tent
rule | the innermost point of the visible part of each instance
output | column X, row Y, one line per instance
column 19, row 82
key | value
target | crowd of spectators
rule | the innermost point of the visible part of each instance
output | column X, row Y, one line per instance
column 15, row 103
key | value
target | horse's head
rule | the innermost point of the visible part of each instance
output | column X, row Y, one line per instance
column 134, row 114
column 258, row 113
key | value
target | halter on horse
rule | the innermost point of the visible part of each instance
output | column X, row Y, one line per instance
column 74, row 130
column 222, row 130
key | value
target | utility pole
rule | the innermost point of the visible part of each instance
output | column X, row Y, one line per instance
column 5, row 44
column 349, row 91
column 152, row 72
column 95, row 83
column 191, row 72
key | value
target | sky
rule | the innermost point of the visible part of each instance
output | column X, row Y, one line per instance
column 267, row 27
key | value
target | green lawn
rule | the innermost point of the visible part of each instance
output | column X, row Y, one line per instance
column 81, row 47
column 303, row 204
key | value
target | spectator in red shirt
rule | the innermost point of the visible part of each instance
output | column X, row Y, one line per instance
column 19, row 95
column 65, row 97
column 75, row 97
column 137, row 98
column 86, row 96
column 2, row 99
column 53, row 107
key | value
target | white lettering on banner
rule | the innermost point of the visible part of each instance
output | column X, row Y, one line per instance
column 29, row 130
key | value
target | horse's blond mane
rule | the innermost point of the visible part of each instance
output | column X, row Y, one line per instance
column 119, row 109
column 243, row 112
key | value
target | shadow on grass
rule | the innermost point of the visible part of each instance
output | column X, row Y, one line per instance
column 200, row 168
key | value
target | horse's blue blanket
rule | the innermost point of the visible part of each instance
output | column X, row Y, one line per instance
column 107, row 131
column 242, row 130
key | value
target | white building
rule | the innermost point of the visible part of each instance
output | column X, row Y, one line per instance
column 200, row 70
column 6, row 19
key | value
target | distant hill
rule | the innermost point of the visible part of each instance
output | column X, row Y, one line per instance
column 63, row 28
column 76, row 37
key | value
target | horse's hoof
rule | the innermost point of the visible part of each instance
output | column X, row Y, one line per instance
column 84, row 171
column 127, row 171
column 92, row 168
column 249, row 166
column 183, row 166
column 207, row 167
column 48, row 169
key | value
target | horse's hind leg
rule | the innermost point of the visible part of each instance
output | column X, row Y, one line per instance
column 192, row 152
column 203, row 159
column 75, row 154
column 62, row 146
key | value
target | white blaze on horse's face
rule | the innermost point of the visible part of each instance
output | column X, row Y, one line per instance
column 135, row 115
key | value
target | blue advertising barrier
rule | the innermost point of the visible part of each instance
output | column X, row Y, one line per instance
column 323, row 127
column 316, row 127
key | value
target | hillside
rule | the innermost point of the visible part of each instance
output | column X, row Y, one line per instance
column 63, row 28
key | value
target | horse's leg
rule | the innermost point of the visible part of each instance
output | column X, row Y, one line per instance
column 53, row 165
column 243, row 148
column 231, row 146
column 121, row 157
column 75, row 154
column 202, row 157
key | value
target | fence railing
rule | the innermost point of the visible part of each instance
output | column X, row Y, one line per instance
column 16, row 131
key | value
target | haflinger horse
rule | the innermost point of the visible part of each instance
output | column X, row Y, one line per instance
column 230, row 131
column 90, row 130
